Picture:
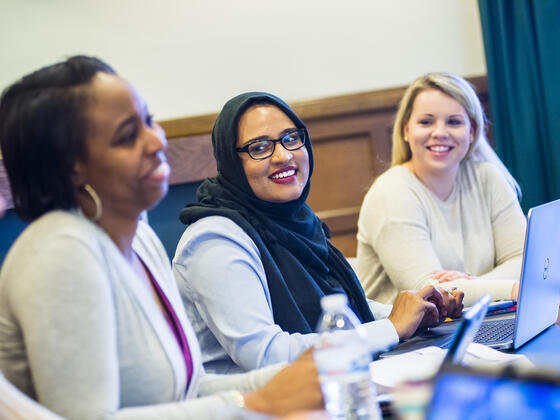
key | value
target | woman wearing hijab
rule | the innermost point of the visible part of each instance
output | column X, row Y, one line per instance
column 91, row 322
column 255, row 260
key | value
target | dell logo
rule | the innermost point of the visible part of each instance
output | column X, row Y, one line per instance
column 546, row 267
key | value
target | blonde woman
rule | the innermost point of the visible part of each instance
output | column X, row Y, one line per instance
column 447, row 210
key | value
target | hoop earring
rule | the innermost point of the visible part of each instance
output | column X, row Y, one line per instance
column 96, row 200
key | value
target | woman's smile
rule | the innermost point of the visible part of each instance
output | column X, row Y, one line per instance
column 284, row 175
column 439, row 150
column 159, row 174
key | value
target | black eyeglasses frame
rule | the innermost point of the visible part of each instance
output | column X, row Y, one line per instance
column 245, row 149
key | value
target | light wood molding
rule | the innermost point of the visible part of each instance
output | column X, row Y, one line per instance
column 312, row 108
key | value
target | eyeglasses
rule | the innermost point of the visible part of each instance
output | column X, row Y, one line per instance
column 264, row 148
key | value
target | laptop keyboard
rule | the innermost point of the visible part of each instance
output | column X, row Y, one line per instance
column 495, row 331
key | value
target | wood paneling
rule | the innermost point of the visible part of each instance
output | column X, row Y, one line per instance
column 191, row 159
column 351, row 137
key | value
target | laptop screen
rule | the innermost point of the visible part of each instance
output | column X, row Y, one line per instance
column 470, row 395
column 539, row 295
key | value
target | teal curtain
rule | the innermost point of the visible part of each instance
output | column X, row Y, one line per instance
column 522, row 44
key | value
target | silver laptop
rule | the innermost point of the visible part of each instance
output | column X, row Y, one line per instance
column 539, row 291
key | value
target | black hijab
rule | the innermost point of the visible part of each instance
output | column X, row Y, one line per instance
column 300, row 263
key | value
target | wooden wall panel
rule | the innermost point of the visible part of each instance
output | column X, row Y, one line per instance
column 350, row 151
column 191, row 159
column 351, row 137
column 340, row 163
column 345, row 241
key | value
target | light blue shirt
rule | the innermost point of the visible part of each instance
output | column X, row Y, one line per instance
column 225, row 292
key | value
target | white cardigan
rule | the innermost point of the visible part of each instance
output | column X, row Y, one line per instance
column 81, row 333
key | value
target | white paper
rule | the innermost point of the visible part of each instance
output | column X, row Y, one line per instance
column 478, row 354
column 424, row 363
column 412, row 366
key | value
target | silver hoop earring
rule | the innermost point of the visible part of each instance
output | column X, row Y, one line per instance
column 96, row 200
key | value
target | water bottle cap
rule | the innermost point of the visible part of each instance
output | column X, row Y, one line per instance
column 332, row 302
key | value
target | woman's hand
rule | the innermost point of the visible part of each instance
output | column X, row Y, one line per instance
column 294, row 388
column 515, row 291
column 453, row 302
column 417, row 309
column 450, row 275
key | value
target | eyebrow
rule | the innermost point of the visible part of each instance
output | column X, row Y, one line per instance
column 132, row 117
column 265, row 137
column 125, row 122
column 129, row 120
column 427, row 114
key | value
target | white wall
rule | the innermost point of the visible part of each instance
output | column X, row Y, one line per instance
column 189, row 56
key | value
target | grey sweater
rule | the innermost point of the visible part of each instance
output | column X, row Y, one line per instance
column 16, row 406
column 406, row 234
column 84, row 336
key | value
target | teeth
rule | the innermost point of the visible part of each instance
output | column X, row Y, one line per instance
column 284, row 174
column 162, row 169
column 440, row 148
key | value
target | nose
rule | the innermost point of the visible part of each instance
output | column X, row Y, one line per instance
column 156, row 140
column 440, row 130
column 281, row 154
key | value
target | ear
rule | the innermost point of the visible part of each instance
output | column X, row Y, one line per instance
column 471, row 134
column 78, row 174
column 405, row 132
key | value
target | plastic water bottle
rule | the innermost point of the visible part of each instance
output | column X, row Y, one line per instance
column 342, row 356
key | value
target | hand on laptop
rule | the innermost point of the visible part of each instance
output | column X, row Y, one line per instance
column 453, row 302
column 415, row 309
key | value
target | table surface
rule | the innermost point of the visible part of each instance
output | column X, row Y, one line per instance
column 543, row 350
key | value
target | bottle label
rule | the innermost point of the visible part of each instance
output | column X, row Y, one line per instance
column 342, row 360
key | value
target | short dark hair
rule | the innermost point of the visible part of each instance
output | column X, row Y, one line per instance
column 43, row 131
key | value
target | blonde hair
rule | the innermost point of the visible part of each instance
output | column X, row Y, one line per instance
column 462, row 91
